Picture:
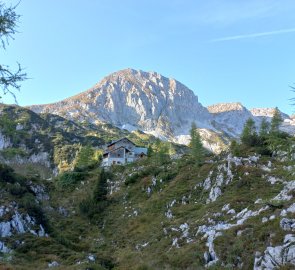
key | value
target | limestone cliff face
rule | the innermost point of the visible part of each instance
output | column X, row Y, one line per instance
column 134, row 99
column 230, row 117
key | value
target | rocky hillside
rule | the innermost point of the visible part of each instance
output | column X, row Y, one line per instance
column 134, row 99
column 230, row 211
column 231, row 117
column 46, row 144
column 233, row 212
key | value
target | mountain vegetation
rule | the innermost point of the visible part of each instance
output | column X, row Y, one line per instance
column 179, row 208
column 225, row 201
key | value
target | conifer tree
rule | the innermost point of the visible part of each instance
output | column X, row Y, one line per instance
column 249, row 135
column 234, row 148
column 197, row 150
column 150, row 151
column 162, row 152
column 276, row 121
column 100, row 191
column 264, row 128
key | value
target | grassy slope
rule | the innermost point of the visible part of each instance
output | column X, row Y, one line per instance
column 134, row 218
column 30, row 133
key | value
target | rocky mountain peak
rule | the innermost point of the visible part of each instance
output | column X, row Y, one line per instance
column 148, row 101
column 226, row 107
column 266, row 112
column 134, row 98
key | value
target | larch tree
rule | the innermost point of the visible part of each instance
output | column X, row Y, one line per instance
column 264, row 128
column 249, row 135
column 9, row 79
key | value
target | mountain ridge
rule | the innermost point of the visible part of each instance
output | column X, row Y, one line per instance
column 155, row 104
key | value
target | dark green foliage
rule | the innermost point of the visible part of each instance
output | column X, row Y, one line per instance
column 10, row 153
column 100, row 191
column 234, row 148
column 277, row 141
column 132, row 179
column 85, row 157
column 149, row 170
column 93, row 207
column 150, row 151
column 29, row 203
column 17, row 190
column 197, row 150
column 249, row 136
column 18, row 187
column 167, row 176
column 88, row 207
column 6, row 174
column 161, row 154
column 70, row 179
column 264, row 128
column 270, row 140
column 107, row 263
column 7, row 125
column 276, row 121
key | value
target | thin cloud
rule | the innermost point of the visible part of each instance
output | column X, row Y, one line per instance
column 255, row 35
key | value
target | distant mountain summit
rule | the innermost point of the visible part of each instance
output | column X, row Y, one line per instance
column 134, row 99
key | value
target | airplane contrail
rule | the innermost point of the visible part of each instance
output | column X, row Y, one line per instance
column 254, row 35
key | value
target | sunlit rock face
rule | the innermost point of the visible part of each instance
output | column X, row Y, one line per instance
column 145, row 100
column 134, row 99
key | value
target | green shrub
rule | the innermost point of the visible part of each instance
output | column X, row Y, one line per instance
column 95, row 205
column 148, row 171
column 12, row 152
column 34, row 210
column 100, row 191
column 132, row 179
column 86, row 157
column 92, row 209
column 70, row 179
column 86, row 207
column 6, row 174
column 17, row 190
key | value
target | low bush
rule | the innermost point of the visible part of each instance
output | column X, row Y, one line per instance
column 70, row 179
column 17, row 190
column 92, row 209
column 94, row 205
column 29, row 203
column 132, row 179
column 6, row 174
column 148, row 171
column 12, row 152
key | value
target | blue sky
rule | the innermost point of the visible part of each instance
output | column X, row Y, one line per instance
column 224, row 50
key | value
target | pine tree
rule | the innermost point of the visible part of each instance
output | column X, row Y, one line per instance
column 163, row 153
column 197, row 150
column 150, row 151
column 276, row 121
column 264, row 128
column 100, row 191
column 234, row 148
column 249, row 135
